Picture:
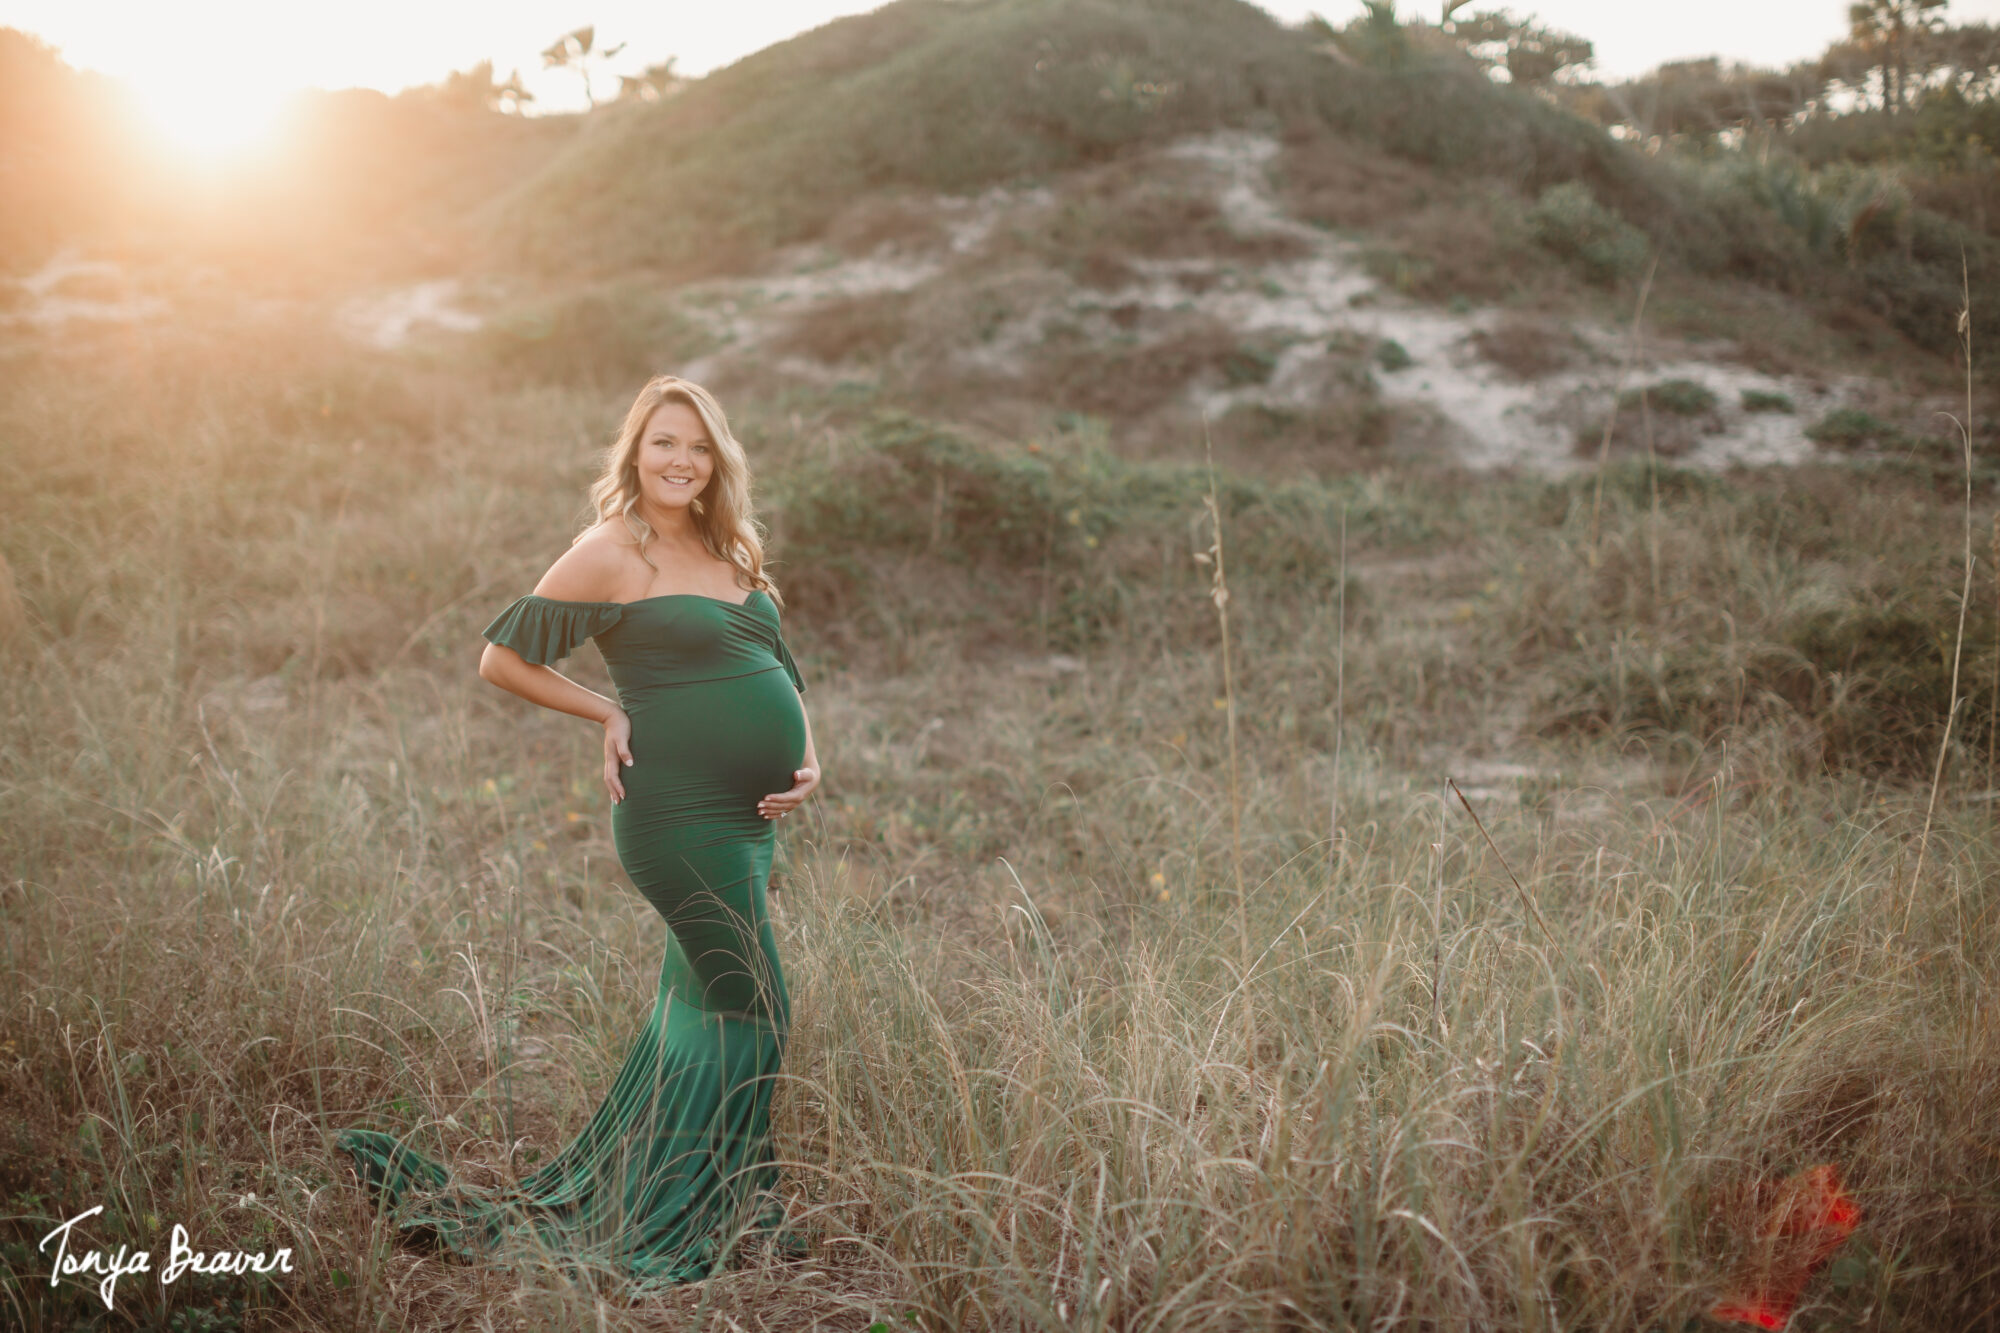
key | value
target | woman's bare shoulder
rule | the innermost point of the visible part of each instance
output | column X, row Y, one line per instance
column 591, row 570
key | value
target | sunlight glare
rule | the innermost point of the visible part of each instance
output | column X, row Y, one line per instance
column 214, row 121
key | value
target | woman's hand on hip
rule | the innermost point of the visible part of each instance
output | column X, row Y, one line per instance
column 617, row 752
column 779, row 804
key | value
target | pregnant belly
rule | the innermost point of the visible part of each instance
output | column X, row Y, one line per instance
column 713, row 748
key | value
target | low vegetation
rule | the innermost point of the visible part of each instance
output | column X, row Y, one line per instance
column 1765, row 400
column 278, row 863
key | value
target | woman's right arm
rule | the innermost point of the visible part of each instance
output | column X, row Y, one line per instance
column 583, row 570
column 542, row 685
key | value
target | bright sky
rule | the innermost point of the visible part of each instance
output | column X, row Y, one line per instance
column 219, row 66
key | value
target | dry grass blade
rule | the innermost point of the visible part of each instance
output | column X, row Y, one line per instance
column 1219, row 595
column 1527, row 901
column 1964, row 599
column 1339, row 701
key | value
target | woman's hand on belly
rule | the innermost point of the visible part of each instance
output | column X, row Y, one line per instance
column 617, row 752
column 779, row 804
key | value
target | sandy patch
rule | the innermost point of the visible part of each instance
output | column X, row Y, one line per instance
column 1325, row 307
column 70, row 287
column 389, row 319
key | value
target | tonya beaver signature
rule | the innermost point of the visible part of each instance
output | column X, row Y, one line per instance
column 180, row 1259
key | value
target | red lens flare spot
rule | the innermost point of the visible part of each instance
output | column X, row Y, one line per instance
column 1804, row 1220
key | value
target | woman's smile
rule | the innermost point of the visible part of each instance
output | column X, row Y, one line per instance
column 676, row 458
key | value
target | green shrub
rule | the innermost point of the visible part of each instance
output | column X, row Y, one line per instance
column 914, row 483
column 1392, row 355
column 1568, row 221
column 1683, row 398
column 1851, row 428
column 1246, row 364
column 602, row 337
column 1800, row 199
column 1071, row 530
column 1766, row 400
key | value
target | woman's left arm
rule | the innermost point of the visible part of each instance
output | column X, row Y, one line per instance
column 779, row 804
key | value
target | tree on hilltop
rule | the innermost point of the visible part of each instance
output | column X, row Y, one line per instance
column 650, row 84
column 1704, row 97
column 576, row 50
column 1532, row 54
column 1892, row 39
column 476, row 89
column 1970, row 55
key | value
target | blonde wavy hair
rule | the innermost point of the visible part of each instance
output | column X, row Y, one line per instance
column 723, row 513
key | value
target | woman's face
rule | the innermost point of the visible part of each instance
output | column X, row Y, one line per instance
column 676, row 457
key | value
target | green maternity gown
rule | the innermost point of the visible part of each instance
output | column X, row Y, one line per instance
column 676, row 1165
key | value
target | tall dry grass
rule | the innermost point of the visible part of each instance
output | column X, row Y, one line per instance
column 276, row 864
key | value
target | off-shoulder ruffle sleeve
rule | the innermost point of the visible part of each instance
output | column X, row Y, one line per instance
column 791, row 667
column 778, row 647
column 544, row 631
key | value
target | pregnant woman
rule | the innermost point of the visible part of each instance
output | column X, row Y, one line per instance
column 706, row 748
